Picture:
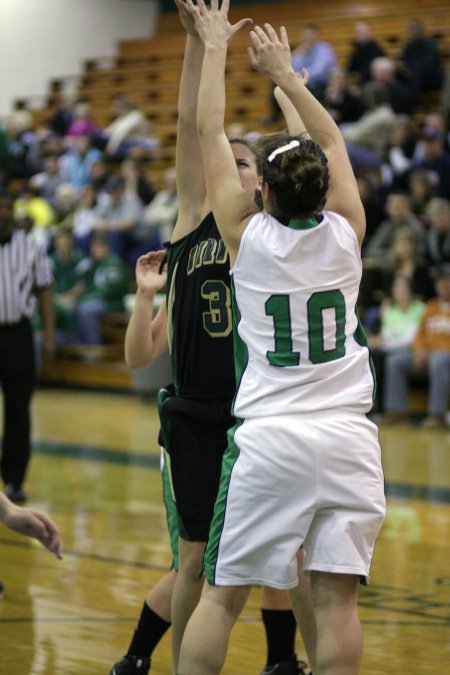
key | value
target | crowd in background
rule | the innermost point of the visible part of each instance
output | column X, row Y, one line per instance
column 87, row 195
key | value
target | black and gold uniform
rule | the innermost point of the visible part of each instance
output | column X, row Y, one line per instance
column 196, row 413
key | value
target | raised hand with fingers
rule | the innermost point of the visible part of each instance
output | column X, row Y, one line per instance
column 150, row 278
column 212, row 23
column 187, row 18
column 270, row 53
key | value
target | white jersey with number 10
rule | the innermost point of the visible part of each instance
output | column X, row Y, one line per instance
column 299, row 345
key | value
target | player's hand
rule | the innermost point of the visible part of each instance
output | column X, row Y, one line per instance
column 187, row 19
column 269, row 53
column 35, row 524
column 150, row 278
column 212, row 23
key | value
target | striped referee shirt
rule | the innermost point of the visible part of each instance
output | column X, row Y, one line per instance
column 24, row 267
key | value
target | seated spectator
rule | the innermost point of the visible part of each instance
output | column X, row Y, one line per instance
column 368, row 137
column 399, row 94
column 430, row 354
column 30, row 205
column 86, row 214
column 407, row 262
column 76, row 163
column 66, row 197
column 399, row 153
column 129, row 128
column 422, row 58
column 101, row 174
column 65, row 260
column 82, row 123
column 435, row 161
column 23, row 145
column 133, row 171
column 106, row 279
column 373, row 205
column 342, row 102
column 119, row 216
column 400, row 218
column 365, row 49
column 437, row 240
column 47, row 181
column 399, row 317
column 421, row 191
column 158, row 219
column 62, row 118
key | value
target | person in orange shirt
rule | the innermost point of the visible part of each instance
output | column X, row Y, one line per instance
column 430, row 353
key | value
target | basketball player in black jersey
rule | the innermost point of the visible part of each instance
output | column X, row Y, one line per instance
column 195, row 320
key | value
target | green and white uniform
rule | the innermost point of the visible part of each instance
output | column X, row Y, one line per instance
column 303, row 462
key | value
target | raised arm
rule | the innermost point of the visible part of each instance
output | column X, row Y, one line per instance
column 294, row 122
column 191, row 186
column 231, row 206
column 272, row 55
column 146, row 337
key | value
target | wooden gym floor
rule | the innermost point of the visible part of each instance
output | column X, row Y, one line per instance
column 95, row 470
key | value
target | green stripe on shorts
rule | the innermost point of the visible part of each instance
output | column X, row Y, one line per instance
column 215, row 531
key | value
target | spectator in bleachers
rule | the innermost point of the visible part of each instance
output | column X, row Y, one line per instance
column 62, row 117
column 368, row 137
column 407, row 261
column 400, row 95
column 30, row 205
column 64, row 261
column 101, row 174
column 430, row 355
column 342, row 101
column 82, row 123
column 399, row 153
column 316, row 55
column 437, row 241
column 23, row 145
column 130, row 128
column 105, row 278
column 365, row 49
column 66, row 196
column 47, row 181
column 399, row 219
column 158, row 220
column 84, row 217
column 373, row 205
column 422, row 58
column 4, row 156
column 76, row 163
column 120, row 215
column 393, row 333
column 133, row 171
column 421, row 191
column 436, row 162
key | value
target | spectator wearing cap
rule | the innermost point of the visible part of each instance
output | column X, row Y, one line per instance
column 430, row 354
column 435, row 161
column 120, row 215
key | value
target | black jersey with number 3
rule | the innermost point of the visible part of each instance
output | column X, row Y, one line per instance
column 199, row 315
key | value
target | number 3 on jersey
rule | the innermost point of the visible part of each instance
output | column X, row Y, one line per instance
column 218, row 320
column 319, row 319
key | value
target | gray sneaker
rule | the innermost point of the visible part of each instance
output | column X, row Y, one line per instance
column 131, row 665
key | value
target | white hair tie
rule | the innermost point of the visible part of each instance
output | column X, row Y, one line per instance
column 283, row 148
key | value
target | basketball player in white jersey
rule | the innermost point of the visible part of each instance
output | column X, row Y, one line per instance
column 303, row 462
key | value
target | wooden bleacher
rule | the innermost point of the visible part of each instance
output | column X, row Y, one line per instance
column 148, row 72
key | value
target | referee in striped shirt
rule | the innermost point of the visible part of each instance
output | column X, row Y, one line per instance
column 25, row 277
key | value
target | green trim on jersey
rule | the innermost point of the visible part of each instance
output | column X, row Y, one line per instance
column 361, row 338
column 215, row 531
column 168, row 493
column 307, row 224
column 240, row 348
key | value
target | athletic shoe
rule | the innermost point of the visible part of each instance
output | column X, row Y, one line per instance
column 291, row 667
column 15, row 494
column 131, row 665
